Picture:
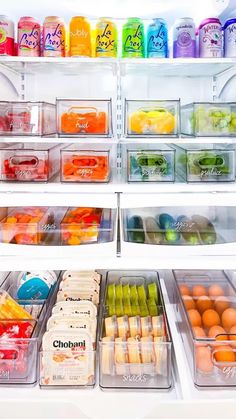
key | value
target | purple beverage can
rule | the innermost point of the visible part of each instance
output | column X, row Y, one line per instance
column 230, row 38
column 210, row 38
column 184, row 39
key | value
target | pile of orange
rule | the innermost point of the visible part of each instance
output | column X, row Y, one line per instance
column 213, row 317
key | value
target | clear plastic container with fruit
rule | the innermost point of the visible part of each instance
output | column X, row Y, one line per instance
column 135, row 343
column 205, row 303
column 205, row 163
column 153, row 118
column 27, row 118
column 209, row 119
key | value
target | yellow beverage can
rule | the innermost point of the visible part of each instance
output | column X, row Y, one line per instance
column 80, row 37
column 106, row 38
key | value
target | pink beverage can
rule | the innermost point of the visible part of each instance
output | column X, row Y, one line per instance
column 54, row 37
column 210, row 39
column 28, row 37
column 6, row 36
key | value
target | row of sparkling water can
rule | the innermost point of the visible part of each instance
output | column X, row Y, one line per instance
column 50, row 39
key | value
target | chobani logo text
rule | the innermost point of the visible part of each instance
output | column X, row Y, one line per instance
column 69, row 344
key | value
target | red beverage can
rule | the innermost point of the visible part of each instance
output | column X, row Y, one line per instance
column 6, row 36
column 28, row 37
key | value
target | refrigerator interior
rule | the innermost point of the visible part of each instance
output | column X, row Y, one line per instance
column 120, row 80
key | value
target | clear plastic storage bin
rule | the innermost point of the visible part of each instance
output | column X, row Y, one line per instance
column 189, row 226
column 145, row 163
column 135, row 344
column 68, row 351
column 27, row 118
column 77, row 117
column 153, row 118
column 209, row 119
column 208, row 163
column 81, row 165
column 27, row 225
column 87, row 225
column 19, row 355
column 205, row 303
column 24, row 163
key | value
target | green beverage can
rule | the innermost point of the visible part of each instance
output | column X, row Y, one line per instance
column 133, row 45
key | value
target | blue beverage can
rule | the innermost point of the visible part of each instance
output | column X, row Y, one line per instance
column 157, row 39
column 229, row 29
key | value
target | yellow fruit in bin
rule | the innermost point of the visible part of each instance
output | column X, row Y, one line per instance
column 138, row 122
column 161, row 122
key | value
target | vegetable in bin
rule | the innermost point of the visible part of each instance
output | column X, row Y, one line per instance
column 217, row 119
column 208, row 163
column 189, row 230
column 135, row 230
column 206, row 229
column 168, row 226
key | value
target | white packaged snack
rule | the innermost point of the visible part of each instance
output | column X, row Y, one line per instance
column 82, row 308
column 78, row 275
column 59, row 322
column 85, row 283
column 68, row 358
column 77, row 295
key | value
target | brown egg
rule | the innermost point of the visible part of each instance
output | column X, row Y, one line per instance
column 232, row 330
column 217, row 333
column 215, row 291
column 184, row 289
column 224, row 353
column 203, row 359
column 199, row 290
column 221, row 304
column 210, row 318
column 199, row 332
column 194, row 317
column 203, row 303
column 188, row 302
column 228, row 318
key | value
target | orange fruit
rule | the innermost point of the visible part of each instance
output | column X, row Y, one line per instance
column 199, row 291
column 224, row 353
column 221, row 304
column 203, row 303
column 194, row 317
column 215, row 291
column 188, row 302
column 210, row 318
column 184, row 289
column 228, row 318
column 214, row 331
column 233, row 330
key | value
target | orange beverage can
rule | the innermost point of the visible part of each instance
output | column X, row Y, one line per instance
column 80, row 37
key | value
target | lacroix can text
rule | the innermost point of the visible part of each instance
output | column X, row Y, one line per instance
column 28, row 37
column 54, row 37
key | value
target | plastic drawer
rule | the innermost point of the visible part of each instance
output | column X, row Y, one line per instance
column 151, row 118
column 80, row 165
column 209, row 119
column 21, row 163
column 27, row 118
column 145, row 163
column 210, row 346
column 135, row 344
column 76, row 117
column 19, row 356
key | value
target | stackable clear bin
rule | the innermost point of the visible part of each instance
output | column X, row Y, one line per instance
column 19, row 356
column 205, row 163
column 151, row 118
column 63, row 368
column 130, row 358
column 24, row 163
column 27, row 118
column 27, row 225
column 146, row 163
column 87, row 226
column 209, row 119
column 81, row 165
column 212, row 360
column 189, row 226
column 82, row 118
